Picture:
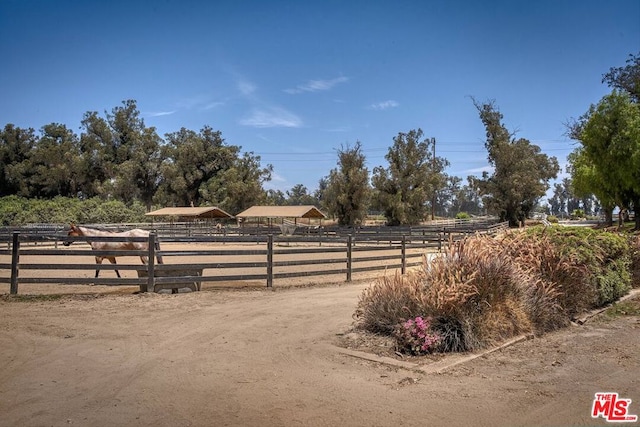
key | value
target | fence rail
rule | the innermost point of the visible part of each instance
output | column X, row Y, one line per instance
column 187, row 261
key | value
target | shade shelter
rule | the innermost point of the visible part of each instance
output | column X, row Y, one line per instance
column 191, row 213
column 286, row 217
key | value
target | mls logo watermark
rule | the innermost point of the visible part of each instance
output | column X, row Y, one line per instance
column 612, row 408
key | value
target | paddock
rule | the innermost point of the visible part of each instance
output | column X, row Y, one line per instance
column 47, row 269
column 33, row 260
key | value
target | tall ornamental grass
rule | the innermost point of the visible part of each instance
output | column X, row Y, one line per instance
column 483, row 290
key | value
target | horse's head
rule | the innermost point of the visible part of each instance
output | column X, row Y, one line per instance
column 73, row 232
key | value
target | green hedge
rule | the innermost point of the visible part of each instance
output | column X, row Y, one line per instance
column 18, row 211
column 606, row 255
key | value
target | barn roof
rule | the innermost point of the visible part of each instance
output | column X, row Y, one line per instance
column 188, row 212
column 282, row 212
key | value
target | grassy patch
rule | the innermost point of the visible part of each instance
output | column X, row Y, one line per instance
column 626, row 308
column 31, row 298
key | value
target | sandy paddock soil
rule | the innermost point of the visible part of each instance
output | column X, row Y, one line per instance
column 258, row 357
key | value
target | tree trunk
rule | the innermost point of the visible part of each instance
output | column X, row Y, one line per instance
column 608, row 216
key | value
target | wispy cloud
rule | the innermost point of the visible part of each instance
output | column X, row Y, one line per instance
column 159, row 113
column 272, row 117
column 316, row 85
column 246, row 88
column 211, row 105
column 384, row 105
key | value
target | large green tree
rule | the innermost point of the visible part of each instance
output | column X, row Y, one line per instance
column 406, row 188
column 119, row 156
column 608, row 161
column 201, row 169
column 193, row 160
column 53, row 164
column 521, row 172
column 240, row 186
column 16, row 148
column 347, row 194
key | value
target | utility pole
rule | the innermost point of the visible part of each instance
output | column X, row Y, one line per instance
column 433, row 201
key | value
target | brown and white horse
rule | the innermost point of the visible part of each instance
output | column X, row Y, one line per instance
column 112, row 246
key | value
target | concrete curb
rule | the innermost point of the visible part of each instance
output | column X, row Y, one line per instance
column 438, row 367
column 582, row 320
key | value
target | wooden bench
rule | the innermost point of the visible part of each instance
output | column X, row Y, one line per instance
column 174, row 286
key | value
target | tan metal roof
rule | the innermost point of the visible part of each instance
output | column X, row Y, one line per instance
column 282, row 212
column 199, row 212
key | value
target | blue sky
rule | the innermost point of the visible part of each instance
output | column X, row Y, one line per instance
column 293, row 81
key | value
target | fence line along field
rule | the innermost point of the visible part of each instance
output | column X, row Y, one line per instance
column 37, row 262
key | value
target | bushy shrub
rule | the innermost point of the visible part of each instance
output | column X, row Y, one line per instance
column 552, row 219
column 604, row 256
column 483, row 290
column 577, row 214
column 16, row 211
column 462, row 215
column 389, row 302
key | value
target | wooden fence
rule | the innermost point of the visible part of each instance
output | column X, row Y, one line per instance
column 187, row 261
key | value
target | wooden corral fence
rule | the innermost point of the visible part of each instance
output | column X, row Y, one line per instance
column 187, row 261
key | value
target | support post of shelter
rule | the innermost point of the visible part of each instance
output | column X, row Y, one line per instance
column 15, row 259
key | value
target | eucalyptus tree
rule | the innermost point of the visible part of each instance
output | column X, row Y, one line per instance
column 521, row 172
column 347, row 193
column 406, row 188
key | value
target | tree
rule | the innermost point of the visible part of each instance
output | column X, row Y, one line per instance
column 240, row 186
column 119, row 156
column 299, row 195
column 465, row 198
column 405, row 189
column 53, row 163
column 347, row 193
column 192, row 160
column 97, row 155
column 521, row 172
column 16, row 147
column 275, row 198
column 626, row 78
column 608, row 161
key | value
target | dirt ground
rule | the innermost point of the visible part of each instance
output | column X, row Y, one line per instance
column 256, row 357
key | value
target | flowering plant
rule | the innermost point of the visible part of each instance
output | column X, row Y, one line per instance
column 415, row 336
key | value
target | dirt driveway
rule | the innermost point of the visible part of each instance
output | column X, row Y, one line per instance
column 270, row 358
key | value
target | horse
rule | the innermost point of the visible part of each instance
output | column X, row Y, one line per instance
column 77, row 231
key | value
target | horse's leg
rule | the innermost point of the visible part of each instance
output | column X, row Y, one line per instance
column 98, row 261
column 113, row 261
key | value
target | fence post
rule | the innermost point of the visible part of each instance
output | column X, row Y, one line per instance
column 151, row 271
column 270, row 261
column 404, row 254
column 349, row 257
column 15, row 259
